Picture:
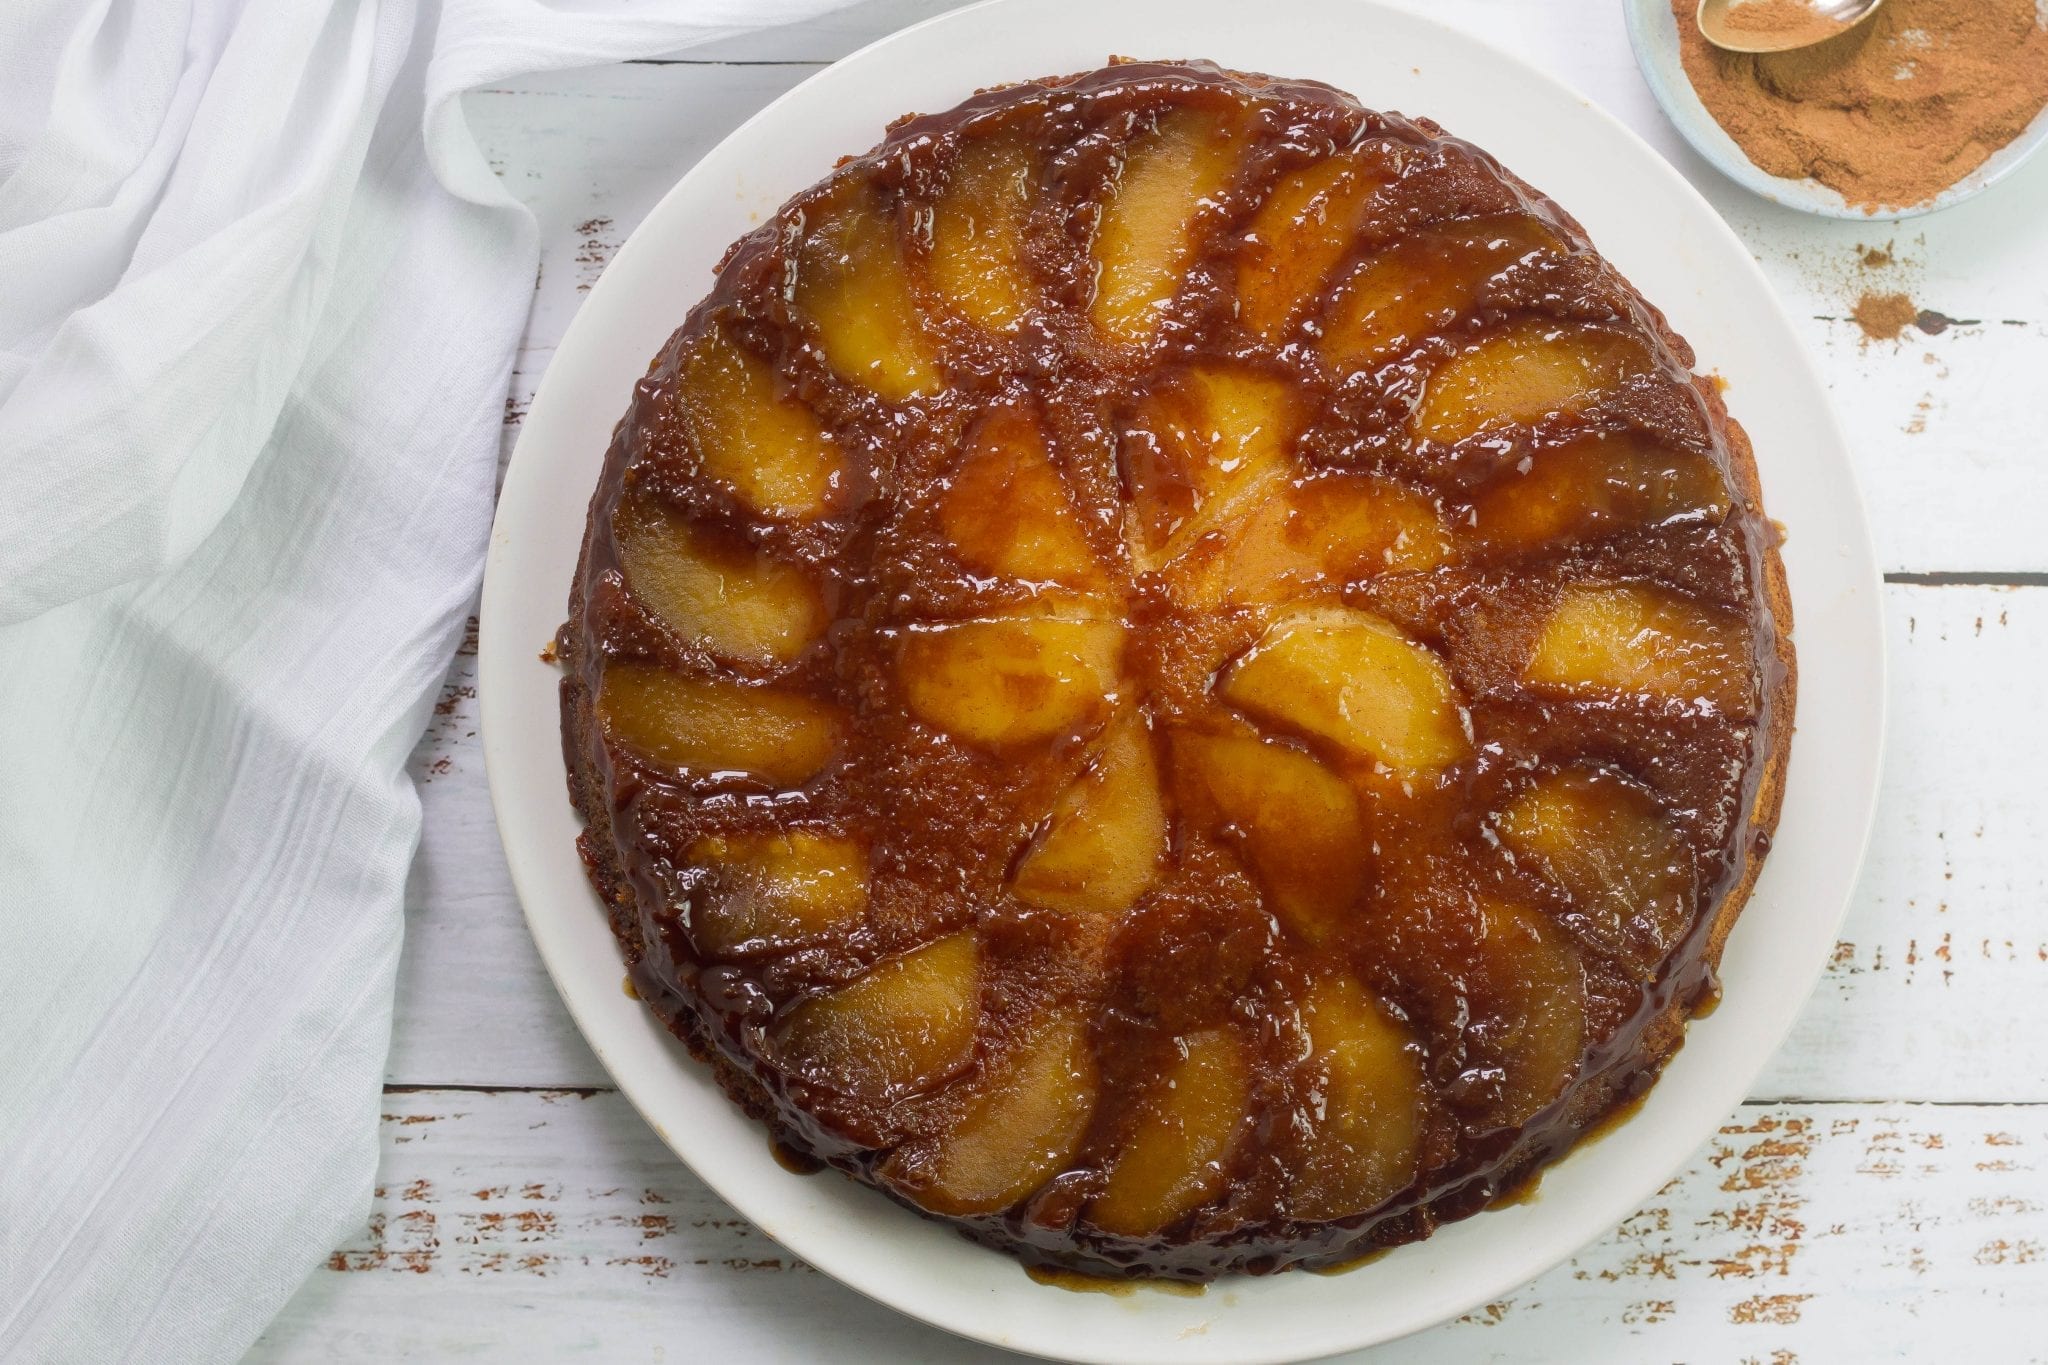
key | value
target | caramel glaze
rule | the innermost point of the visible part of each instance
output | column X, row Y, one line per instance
column 943, row 823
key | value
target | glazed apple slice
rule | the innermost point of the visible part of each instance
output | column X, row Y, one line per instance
column 741, row 606
column 1011, row 680
column 977, row 258
column 1145, row 238
column 1532, row 1025
column 1189, row 1121
column 1353, row 680
column 1020, row 1129
column 1525, row 373
column 1101, row 850
column 1597, row 485
column 1201, row 448
column 1364, row 1126
column 1297, row 238
column 1405, row 292
column 776, row 887
column 1388, row 305
column 1298, row 823
column 1007, row 512
column 711, row 726
column 1334, row 529
column 1499, row 983
column 852, row 283
column 1605, row 841
column 1603, row 639
column 766, row 447
column 905, row 1025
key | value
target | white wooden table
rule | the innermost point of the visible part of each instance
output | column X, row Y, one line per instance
column 1884, row 1194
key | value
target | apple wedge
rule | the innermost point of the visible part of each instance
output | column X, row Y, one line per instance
column 1011, row 680
column 1351, row 679
column 1021, row 1128
column 1190, row 1120
column 1298, row 823
column 1364, row 1124
column 906, row 1024
column 1603, row 639
column 1200, row 449
column 1102, row 848
column 1331, row 530
column 710, row 726
column 1533, row 1001
column 1407, row 291
column 1006, row 511
column 1297, row 238
column 1145, row 237
column 1597, row 485
column 766, row 447
column 741, row 606
column 977, row 258
column 1605, row 841
column 852, row 283
column 1529, row 371
column 776, row 888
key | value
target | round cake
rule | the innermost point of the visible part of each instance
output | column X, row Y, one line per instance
column 1176, row 673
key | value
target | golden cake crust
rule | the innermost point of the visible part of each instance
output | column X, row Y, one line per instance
column 1482, row 600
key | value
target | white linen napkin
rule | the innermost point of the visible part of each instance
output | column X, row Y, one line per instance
column 258, row 301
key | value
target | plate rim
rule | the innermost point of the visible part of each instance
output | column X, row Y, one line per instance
column 502, row 732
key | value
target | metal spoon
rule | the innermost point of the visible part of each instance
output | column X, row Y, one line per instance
column 1831, row 19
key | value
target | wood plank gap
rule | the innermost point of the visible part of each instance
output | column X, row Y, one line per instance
column 1968, row 579
column 716, row 61
column 1774, row 1100
column 583, row 1091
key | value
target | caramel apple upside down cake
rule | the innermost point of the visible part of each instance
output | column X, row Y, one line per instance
column 1175, row 673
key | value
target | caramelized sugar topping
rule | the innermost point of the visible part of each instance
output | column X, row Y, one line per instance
column 1176, row 667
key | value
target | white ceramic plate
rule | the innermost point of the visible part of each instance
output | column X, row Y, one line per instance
column 1653, row 33
column 1646, row 219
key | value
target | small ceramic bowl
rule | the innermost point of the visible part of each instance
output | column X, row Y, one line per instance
column 1653, row 33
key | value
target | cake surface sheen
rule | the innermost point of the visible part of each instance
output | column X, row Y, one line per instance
column 1175, row 672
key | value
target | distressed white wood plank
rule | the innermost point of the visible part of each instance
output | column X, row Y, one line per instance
column 1566, row 38
column 474, row 1005
column 1939, row 990
column 1943, row 427
column 517, row 1225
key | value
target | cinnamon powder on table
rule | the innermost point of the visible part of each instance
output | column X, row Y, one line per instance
column 1883, row 316
column 1890, row 113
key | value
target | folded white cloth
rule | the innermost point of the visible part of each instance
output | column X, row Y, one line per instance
column 259, row 296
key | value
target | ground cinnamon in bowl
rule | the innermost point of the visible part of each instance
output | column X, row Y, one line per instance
column 1890, row 113
column 1793, row 20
